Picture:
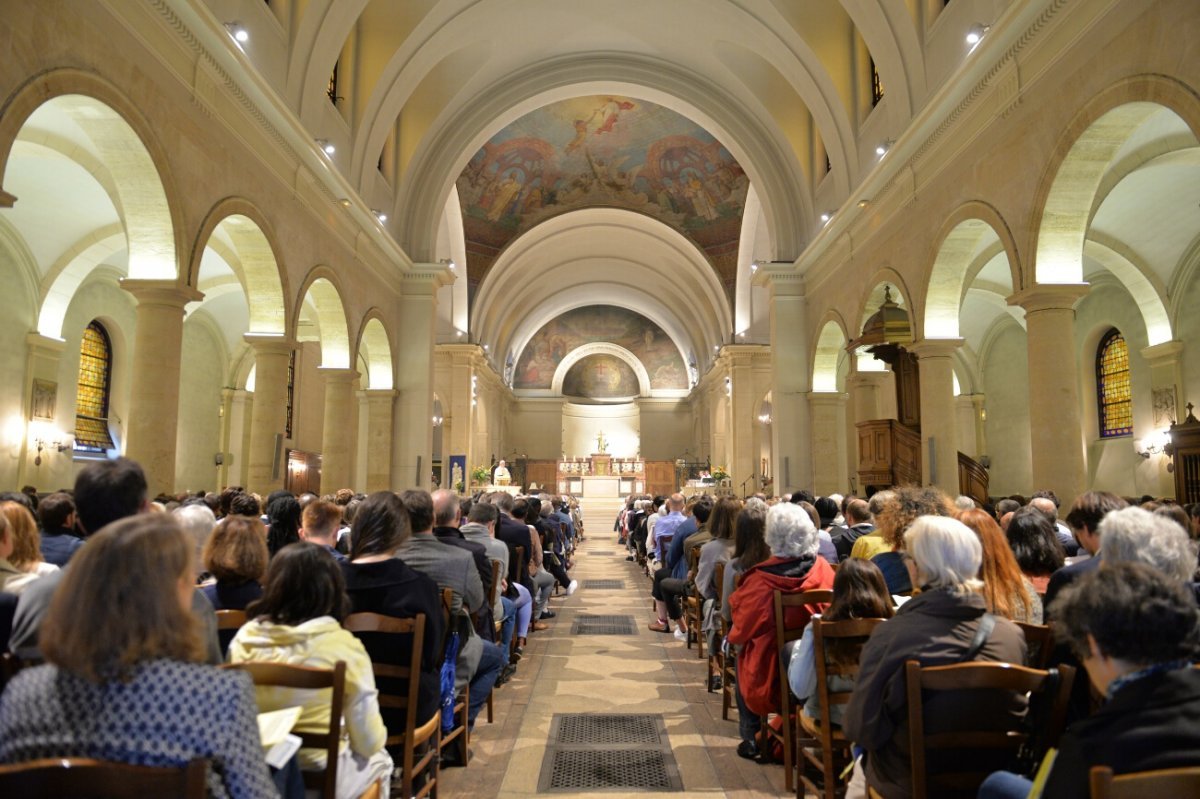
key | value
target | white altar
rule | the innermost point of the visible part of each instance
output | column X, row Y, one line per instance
column 600, row 486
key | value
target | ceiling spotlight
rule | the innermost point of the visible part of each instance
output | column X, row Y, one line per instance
column 344, row 202
column 976, row 32
column 239, row 33
column 452, row 265
column 754, row 266
column 380, row 215
column 327, row 146
column 863, row 203
column 825, row 217
column 883, row 147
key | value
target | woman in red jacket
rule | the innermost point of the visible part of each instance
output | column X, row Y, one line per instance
column 794, row 567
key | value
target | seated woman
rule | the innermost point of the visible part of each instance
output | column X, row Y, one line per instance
column 298, row 621
column 379, row 582
column 859, row 592
column 936, row 627
column 1032, row 540
column 236, row 557
column 26, row 555
column 1135, row 630
column 125, row 680
column 794, row 567
column 1007, row 591
column 906, row 505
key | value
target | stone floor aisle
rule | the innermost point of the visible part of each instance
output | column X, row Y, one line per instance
column 644, row 673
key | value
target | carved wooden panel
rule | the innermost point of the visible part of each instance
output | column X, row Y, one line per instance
column 660, row 478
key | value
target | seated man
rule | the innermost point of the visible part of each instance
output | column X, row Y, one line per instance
column 1135, row 630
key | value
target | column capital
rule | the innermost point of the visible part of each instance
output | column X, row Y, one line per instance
column 1049, row 296
column 165, row 293
column 935, row 348
column 827, row 398
column 378, row 394
column 1164, row 354
column 51, row 346
column 334, row 374
column 268, row 343
column 426, row 278
column 781, row 277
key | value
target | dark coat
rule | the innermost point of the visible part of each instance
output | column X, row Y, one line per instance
column 516, row 534
column 936, row 628
column 1067, row 575
column 843, row 542
column 1152, row 723
column 482, row 617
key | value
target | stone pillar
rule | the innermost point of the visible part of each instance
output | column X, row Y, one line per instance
column 980, row 418
column 828, row 438
column 866, row 395
column 412, row 426
column 939, row 418
column 743, row 418
column 1054, row 418
column 268, row 415
column 378, row 408
column 791, row 377
column 337, row 436
column 154, row 388
column 43, row 355
column 1166, row 386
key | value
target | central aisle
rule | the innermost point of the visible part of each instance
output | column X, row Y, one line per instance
column 644, row 673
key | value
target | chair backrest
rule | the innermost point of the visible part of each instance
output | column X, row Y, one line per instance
column 1039, row 642
column 285, row 675
column 977, row 751
column 694, row 558
column 785, row 633
column 228, row 623
column 495, row 583
column 517, row 570
column 99, row 779
column 1165, row 783
column 848, row 633
column 719, row 581
column 397, row 683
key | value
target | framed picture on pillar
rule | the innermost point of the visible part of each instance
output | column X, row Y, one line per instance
column 44, row 400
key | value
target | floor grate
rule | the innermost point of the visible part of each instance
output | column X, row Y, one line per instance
column 600, row 552
column 586, row 624
column 604, row 585
column 608, row 752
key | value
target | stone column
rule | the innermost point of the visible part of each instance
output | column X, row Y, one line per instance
column 1166, row 384
column 154, row 389
column 412, row 439
column 791, row 377
column 268, row 414
column 379, row 404
column 939, row 418
column 742, row 420
column 980, row 418
column 1054, row 418
column 828, row 436
column 337, row 437
column 43, row 355
column 866, row 391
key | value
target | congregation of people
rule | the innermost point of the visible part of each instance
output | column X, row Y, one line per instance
column 1103, row 596
column 114, row 615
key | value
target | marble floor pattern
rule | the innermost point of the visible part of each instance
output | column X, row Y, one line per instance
column 646, row 673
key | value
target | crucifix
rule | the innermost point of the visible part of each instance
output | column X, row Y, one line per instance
column 601, row 442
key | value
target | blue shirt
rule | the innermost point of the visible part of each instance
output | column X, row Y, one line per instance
column 676, row 562
column 666, row 527
column 58, row 546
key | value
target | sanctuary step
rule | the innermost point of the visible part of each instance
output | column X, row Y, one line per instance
column 599, row 513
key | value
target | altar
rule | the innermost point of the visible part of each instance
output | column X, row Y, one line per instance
column 601, row 475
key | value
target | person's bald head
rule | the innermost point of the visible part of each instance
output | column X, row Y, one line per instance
column 1005, row 519
column 1046, row 506
column 675, row 503
column 445, row 508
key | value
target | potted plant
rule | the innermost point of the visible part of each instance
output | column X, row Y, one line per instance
column 481, row 475
column 719, row 474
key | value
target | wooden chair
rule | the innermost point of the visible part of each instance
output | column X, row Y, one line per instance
column 497, row 626
column 992, row 749
column 56, row 777
column 821, row 743
column 784, row 634
column 399, row 687
column 228, row 623
column 728, row 666
column 460, row 731
column 1166, row 783
column 716, row 660
column 283, row 675
column 1039, row 642
column 693, row 606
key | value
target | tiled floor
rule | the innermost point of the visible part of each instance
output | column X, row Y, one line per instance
column 648, row 673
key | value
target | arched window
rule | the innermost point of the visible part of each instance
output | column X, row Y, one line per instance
column 95, row 377
column 1114, row 400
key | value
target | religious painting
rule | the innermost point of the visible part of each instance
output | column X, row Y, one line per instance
column 600, row 376
column 45, row 397
column 600, row 323
column 606, row 151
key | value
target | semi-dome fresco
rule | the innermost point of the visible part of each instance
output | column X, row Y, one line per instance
column 595, row 323
column 600, row 377
column 603, row 151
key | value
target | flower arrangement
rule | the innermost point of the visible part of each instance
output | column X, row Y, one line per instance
column 719, row 473
column 481, row 474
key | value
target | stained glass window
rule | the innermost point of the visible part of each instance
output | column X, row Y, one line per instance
column 1113, row 394
column 291, row 391
column 332, row 89
column 91, row 398
column 876, row 85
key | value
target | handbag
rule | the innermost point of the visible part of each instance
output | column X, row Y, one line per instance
column 449, row 675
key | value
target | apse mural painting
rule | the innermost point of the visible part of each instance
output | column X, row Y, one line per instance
column 628, row 329
column 600, row 377
column 602, row 151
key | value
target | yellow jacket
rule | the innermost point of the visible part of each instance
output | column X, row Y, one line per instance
column 868, row 546
column 320, row 643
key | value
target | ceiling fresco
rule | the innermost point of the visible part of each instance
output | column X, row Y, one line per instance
column 603, row 151
column 624, row 328
column 600, row 376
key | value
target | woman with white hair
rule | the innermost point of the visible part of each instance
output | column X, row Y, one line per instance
column 794, row 567
column 1134, row 535
column 943, row 624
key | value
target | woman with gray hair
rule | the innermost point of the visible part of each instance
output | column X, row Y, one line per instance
column 198, row 521
column 793, row 568
column 1133, row 535
column 939, row 626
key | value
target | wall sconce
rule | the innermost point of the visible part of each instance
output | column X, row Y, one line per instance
column 437, row 421
column 764, row 418
column 380, row 215
column 326, row 146
column 48, row 438
column 976, row 33
column 729, row 386
column 1154, row 444
column 238, row 32
column 882, row 148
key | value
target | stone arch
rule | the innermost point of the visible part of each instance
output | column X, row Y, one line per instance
column 321, row 289
column 1065, row 201
column 829, row 349
column 601, row 348
column 970, row 226
column 1140, row 285
column 376, row 348
column 258, row 269
column 127, row 146
column 873, row 295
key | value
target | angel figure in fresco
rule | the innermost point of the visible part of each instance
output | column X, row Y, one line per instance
column 580, row 137
column 611, row 112
column 509, row 188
